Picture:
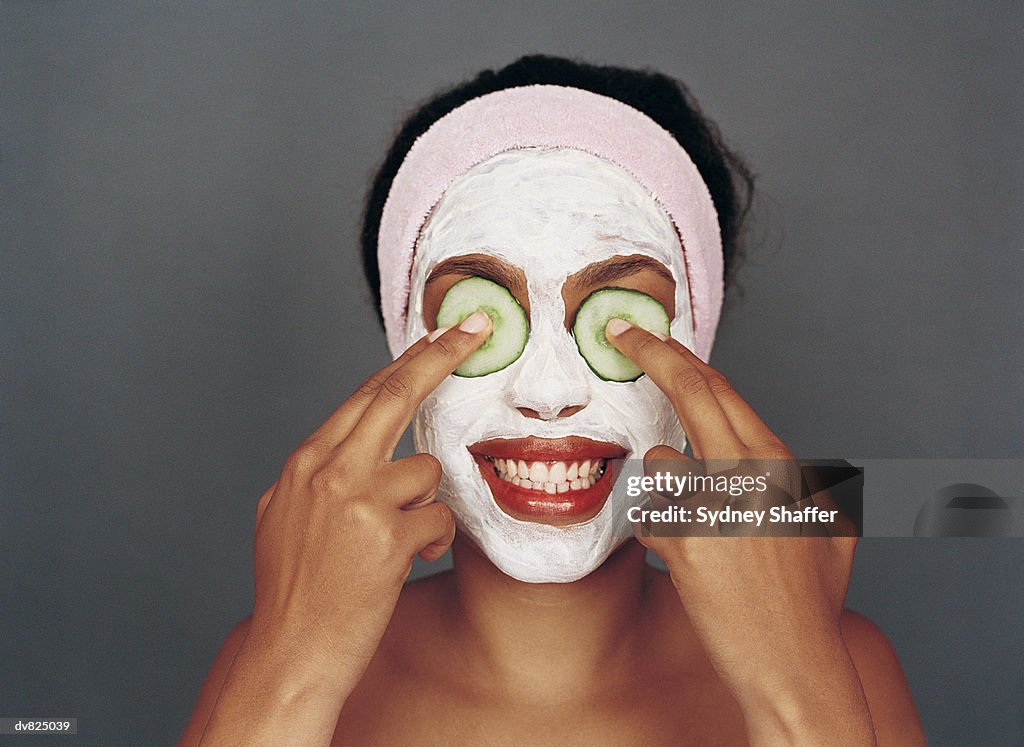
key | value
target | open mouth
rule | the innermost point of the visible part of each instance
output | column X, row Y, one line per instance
column 561, row 481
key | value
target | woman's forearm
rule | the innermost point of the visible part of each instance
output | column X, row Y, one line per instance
column 815, row 700
column 276, row 695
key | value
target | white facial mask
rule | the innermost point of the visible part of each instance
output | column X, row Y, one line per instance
column 551, row 213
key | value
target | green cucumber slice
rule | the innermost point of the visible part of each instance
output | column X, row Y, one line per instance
column 510, row 325
column 635, row 307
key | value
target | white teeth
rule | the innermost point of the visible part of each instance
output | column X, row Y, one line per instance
column 550, row 477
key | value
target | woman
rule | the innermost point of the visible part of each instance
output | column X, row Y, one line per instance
column 546, row 182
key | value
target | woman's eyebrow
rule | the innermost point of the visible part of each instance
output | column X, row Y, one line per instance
column 618, row 268
column 483, row 266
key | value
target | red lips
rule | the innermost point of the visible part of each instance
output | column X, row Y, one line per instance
column 571, row 506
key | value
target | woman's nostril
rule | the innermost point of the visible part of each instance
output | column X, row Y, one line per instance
column 549, row 413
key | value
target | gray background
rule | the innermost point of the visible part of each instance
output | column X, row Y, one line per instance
column 182, row 303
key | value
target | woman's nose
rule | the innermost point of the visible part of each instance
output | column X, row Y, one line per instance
column 549, row 384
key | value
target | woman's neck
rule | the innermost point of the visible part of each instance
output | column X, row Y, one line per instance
column 546, row 640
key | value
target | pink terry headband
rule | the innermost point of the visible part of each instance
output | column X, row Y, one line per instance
column 553, row 117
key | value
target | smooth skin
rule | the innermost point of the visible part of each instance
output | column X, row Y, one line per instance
column 745, row 640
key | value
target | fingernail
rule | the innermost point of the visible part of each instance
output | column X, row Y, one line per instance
column 437, row 333
column 660, row 336
column 476, row 322
column 616, row 327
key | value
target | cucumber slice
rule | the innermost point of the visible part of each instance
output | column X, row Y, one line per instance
column 510, row 325
column 635, row 307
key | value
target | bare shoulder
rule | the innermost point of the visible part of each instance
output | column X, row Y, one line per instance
column 885, row 686
column 213, row 683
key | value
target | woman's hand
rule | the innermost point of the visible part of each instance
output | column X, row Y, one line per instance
column 335, row 540
column 336, row 535
column 766, row 609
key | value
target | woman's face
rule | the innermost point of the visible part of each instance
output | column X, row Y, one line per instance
column 552, row 226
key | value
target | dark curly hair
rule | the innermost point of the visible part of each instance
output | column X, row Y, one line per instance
column 665, row 100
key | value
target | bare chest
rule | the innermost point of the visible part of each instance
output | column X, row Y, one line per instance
column 389, row 710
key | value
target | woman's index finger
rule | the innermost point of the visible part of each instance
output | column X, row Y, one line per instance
column 383, row 422
column 341, row 422
column 686, row 386
column 745, row 421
